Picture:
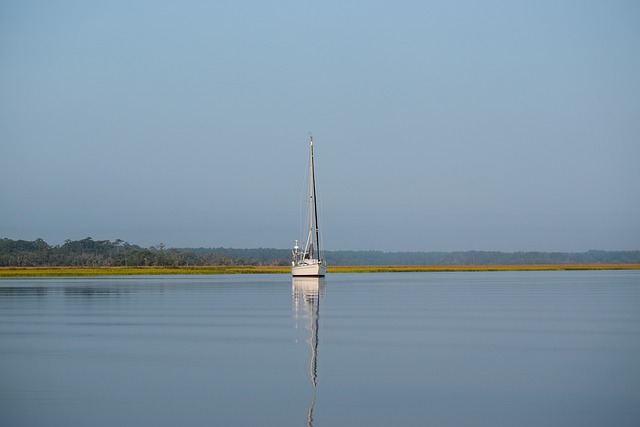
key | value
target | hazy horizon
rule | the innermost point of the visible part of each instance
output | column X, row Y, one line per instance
column 437, row 126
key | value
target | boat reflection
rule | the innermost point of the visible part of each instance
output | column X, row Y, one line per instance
column 306, row 294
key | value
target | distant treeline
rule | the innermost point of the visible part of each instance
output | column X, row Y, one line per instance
column 94, row 253
column 268, row 256
column 481, row 258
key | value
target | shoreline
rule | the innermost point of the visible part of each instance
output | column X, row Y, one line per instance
column 10, row 272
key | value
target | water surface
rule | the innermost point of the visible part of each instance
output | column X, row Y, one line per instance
column 446, row 349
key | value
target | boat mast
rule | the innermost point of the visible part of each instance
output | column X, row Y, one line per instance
column 315, row 203
column 309, row 245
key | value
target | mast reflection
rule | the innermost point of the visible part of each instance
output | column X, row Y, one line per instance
column 306, row 293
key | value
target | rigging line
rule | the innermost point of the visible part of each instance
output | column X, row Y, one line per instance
column 315, row 201
column 302, row 206
column 320, row 203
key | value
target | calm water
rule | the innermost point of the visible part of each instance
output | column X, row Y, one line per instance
column 441, row 349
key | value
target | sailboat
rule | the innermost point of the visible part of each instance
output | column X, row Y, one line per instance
column 307, row 260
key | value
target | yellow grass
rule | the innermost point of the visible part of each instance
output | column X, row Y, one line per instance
column 472, row 268
column 127, row 271
column 132, row 271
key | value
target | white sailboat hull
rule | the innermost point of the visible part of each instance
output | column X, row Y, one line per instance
column 309, row 270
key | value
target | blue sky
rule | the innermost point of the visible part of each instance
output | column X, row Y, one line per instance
column 461, row 125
